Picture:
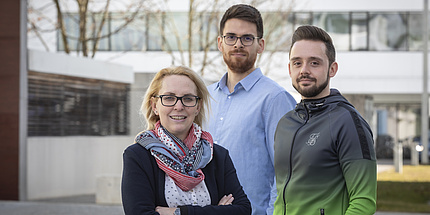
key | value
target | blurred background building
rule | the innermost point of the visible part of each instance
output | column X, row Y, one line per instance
column 80, row 71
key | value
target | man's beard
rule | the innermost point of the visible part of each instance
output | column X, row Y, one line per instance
column 312, row 91
column 239, row 66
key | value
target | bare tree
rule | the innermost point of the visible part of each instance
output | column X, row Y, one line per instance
column 90, row 30
column 189, row 37
column 203, row 29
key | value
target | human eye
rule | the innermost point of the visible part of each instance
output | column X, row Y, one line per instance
column 230, row 37
column 169, row 98
column 315, row 63
column 248, row 38
column 296, row 63
column 188, row 98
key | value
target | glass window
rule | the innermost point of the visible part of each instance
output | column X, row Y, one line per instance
column 415, row 38
column 337, row 26
column 93, row 26
column 131, row 37
column 415, row 26
column 359, row 34
column 71, row 24
column 302, row 18
column 387, row 32
column 277, row 31
column 155, row 31
column 61, row 105
column 208, row 23
column 176, row 32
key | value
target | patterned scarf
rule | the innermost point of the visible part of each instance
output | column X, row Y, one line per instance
column 182, row 161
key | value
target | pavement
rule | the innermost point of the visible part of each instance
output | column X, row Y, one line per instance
column 55, row 208
column 85, row 205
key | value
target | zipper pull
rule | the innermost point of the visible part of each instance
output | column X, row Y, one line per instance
column 322, row 211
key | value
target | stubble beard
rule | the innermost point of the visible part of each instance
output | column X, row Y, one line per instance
column 239, row 66
column 311, row 91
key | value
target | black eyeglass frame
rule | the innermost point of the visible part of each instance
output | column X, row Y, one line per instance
column 178, row 98
column 235, row 41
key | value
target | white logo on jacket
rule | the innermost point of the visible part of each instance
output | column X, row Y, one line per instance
column 312, row 139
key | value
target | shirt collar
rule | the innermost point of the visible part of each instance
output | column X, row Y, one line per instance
column 246, row 83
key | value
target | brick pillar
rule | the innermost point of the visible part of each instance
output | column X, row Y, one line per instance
column 12, row 70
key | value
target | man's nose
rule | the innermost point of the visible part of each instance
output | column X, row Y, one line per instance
column 238, row 43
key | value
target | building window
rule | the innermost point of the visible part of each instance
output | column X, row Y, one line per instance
column 168, row 31
column 70, row 106
column 337, row 25
column 359, row 28
column 155, row 31
column 388, row 32
column 131, row 36
column 277, row 31
column 415, row 31
column 71, row 22
column 209, row 31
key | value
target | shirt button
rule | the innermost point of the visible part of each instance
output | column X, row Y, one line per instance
column 229, row 97
column 221, row 118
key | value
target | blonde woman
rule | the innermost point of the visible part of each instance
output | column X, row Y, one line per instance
column 174, row 167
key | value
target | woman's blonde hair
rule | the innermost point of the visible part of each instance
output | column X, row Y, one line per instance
column 155, row 86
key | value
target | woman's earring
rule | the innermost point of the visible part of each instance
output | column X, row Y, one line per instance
column 155, row 112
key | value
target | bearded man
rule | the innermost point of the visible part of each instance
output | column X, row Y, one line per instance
column 247, row 106
column 325, row 162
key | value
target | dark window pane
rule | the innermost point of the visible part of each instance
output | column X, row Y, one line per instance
column 62, row 106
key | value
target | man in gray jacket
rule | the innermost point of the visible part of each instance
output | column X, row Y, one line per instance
column 325, row 162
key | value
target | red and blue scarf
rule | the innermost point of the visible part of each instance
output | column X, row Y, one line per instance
column 180, row 160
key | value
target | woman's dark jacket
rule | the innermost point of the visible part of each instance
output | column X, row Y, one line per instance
column 142, row 186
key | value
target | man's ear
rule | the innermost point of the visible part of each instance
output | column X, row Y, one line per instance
column 333, row 69
column 219, row 40
column 261, row 45
column 289, row 69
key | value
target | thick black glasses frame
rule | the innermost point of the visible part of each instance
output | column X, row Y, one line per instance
column 178, row 98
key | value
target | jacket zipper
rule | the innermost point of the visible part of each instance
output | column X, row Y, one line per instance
column 291, row 165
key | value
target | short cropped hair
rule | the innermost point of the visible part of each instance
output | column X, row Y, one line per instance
column 156, row 84
column 243, row 12
column 309, row 32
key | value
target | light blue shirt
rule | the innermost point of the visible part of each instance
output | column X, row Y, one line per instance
column 244, row 122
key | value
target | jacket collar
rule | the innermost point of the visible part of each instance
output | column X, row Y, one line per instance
column 314, row 106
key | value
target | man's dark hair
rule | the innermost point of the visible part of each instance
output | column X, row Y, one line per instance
column 309, row 32
column 243, row 12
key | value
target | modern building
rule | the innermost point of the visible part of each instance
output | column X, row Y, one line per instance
column 85, row 110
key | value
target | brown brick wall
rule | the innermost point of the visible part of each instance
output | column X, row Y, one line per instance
column 9, row 98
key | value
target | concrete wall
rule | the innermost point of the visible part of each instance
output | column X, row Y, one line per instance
column 68, row 166
column 137, row 92
column 73, row 165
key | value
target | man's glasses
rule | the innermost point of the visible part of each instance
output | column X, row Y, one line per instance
column 170, row 100
column 246, row 40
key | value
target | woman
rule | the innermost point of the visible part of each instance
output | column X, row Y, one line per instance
column 174, row 167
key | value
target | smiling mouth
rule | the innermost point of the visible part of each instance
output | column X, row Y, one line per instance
column 178, row 117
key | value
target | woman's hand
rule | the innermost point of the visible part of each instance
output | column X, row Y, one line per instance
column 226, row 200
column 165, row 210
